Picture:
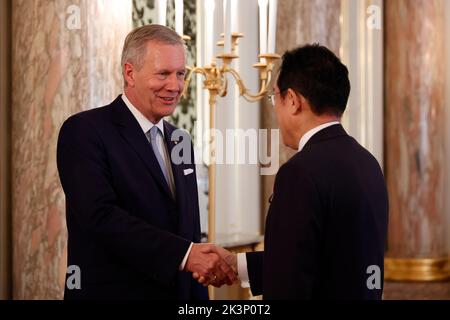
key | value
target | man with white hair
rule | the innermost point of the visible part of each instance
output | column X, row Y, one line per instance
column 132, row 213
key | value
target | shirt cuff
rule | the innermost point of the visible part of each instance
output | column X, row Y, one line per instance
column 183, row 263
column 242, row 270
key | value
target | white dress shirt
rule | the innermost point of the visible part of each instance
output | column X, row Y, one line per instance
column 146, row 125
column 241, row 257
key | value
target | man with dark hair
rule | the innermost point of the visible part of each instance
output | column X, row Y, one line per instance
column 327, row 222
column 317, row 74
column 132, row 213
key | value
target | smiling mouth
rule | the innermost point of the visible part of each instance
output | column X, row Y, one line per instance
column 168, row 100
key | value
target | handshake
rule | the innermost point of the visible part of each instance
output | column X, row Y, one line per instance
column 212, row 265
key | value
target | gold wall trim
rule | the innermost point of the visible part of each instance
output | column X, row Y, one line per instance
column 417, row 269
column 5, row 149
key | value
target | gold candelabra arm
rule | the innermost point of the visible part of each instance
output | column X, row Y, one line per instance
column 214, row 80
column 224, row 88
column 265, row 68
column 221, row 81
column 243, row 91
column 187, row 80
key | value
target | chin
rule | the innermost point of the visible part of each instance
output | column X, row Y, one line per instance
column 170, row 111
column 166, row 111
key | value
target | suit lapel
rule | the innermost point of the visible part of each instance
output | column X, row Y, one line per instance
column 132, row 133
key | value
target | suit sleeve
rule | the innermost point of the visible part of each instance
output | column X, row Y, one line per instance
column 91, row 199
column 255, row 262
column 293, row 233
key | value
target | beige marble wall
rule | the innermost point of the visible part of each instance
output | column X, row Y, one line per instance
column 447, row 118
column 60, row 67
column 300, row 22
column 414, row 127
column 5, row 144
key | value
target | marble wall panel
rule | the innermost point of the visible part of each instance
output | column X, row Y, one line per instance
column 414, row 127
column 66, row 58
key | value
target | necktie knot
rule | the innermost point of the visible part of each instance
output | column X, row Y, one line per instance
column 154, row 132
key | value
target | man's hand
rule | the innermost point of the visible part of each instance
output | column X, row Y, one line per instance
column 206, row 263
column 227, row 256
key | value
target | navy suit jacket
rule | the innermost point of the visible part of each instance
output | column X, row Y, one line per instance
column 126, row 233
column 326, row 225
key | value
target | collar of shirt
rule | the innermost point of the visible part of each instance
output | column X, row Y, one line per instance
column 312, row 132
column 141, row 119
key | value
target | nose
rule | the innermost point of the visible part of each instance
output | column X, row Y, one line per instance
column 174, row 84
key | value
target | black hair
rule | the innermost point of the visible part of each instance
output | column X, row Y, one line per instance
column 315, row 72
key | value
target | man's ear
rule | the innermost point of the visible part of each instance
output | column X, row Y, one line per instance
column 295, row 101
column 128, row 70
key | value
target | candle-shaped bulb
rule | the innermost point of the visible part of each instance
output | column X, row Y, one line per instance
column 161, row 12
column 227, row 26
column 263, row 25
column 209, row 6
column 272, row 26
column 179, row 17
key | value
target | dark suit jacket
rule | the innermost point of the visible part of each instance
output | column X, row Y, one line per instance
column 125, row 231
column 326, row 224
